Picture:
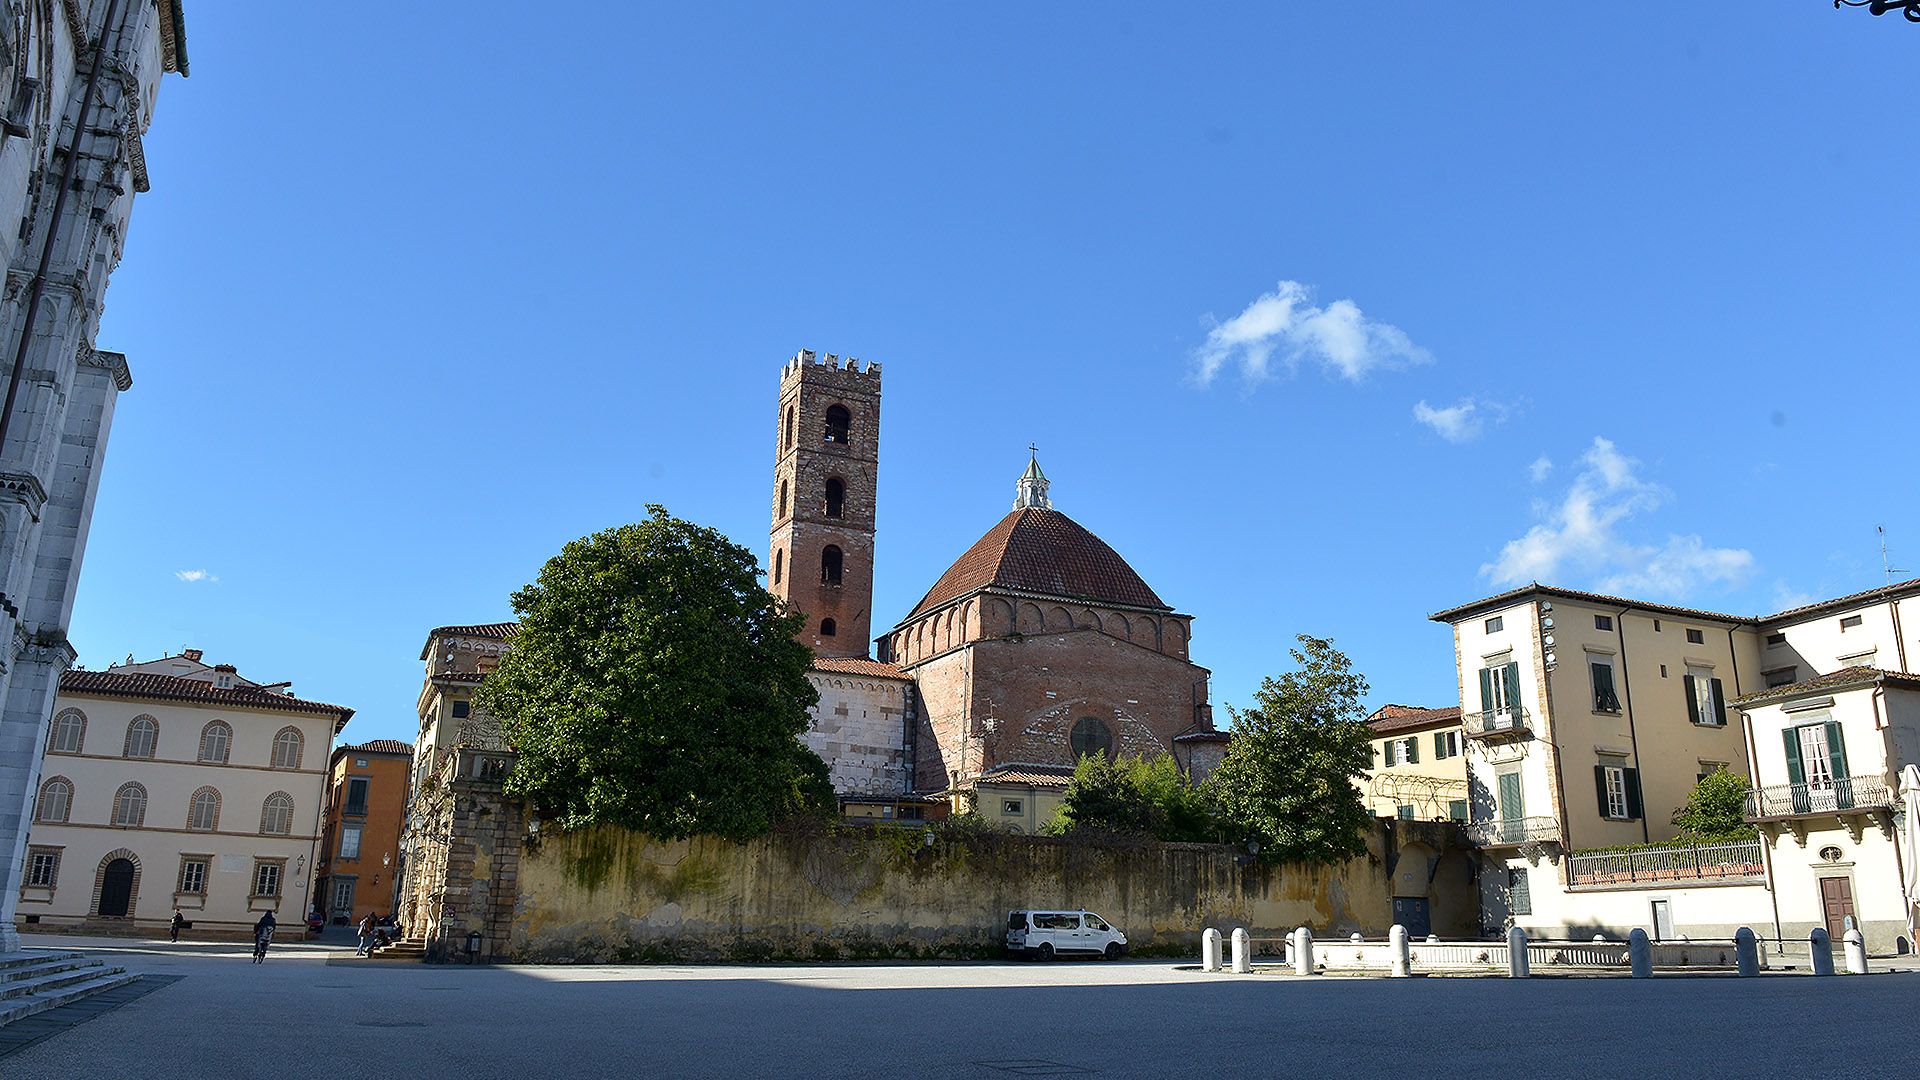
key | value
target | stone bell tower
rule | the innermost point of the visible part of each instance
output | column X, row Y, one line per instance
column 825, row 474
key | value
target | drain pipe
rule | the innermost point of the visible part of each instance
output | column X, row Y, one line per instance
column 39, row 286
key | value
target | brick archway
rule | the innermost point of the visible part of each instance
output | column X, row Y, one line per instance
column 100, row 883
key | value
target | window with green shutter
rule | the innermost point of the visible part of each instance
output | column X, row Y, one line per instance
column 1519, row 894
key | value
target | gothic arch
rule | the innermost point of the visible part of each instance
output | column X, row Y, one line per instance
column 1147, row 632
column 996, row 618
column 967, row 633
column 1086, row 619
column 1119, row 626
column 100, row 882
column 1058, row 619
column 1031, row 621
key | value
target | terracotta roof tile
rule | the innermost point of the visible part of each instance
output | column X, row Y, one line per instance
column 1884, row 592
column 377, row 746
column 1502, row 599
column 1045, row 552
column 855, row 665
column 1391, row 718
column 1852, row 676
column 170, row 688
column 1032, row 775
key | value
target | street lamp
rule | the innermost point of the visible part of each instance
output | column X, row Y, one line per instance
column 1909, row 8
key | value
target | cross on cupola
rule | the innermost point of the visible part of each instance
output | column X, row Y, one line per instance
column 1033, row 485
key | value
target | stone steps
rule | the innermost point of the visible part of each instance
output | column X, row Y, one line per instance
column 35, row 982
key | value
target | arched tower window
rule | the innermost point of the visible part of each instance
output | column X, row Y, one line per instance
column 830, row 565
column 782, row 512
column 203, row 812
column 130, row 805
column 286, row 748
column 789, row 427
column 276, row 814
column 216, row 741
column 1090, row 737
column 828, row 628
column 777, row 560
column 56, row 799
column 69, row 732
column 836, row 501
column 838, row 421
column 142, row 734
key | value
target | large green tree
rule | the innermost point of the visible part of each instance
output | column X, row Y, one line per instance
column 1287, row 778
column 1133, row 794
column 655, row 684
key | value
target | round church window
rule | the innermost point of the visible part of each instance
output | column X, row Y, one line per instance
column 1090, row 736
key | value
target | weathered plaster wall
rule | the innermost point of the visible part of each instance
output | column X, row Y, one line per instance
column 607, row 894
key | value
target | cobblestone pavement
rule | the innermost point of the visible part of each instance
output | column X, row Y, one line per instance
column 313, row 1009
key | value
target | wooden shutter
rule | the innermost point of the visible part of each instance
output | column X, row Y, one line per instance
column 1600, row 785
column 1413, row 749
column 1520, row 895
column 1796, row 773
column 1486, row 690
column 1693, row 700
column 1719, row 702
column 1633, row 791
column 1512, row 674
column 1837, row 750
column 1439, row 746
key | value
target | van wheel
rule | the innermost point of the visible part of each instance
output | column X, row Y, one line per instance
column 1044, row 953
column 1114, row 950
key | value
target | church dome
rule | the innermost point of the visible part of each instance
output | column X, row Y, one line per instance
column 1039, row 550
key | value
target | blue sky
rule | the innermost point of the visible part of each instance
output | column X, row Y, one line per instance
column 415, row 300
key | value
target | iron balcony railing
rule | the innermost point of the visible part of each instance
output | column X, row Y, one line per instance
column 1493, row 722
column 1830, row 797
column 1514, row 831
column 1736, row 861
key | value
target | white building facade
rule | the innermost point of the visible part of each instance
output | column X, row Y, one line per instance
column 1590, row 718
column 174, row 784
column 70, row 186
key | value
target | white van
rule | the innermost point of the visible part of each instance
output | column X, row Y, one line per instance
column 1046, row 934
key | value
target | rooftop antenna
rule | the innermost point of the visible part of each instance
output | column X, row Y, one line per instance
column 1886, row 566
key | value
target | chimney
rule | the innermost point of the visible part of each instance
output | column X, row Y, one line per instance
column 192, row 654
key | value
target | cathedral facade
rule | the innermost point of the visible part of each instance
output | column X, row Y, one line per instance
column 1039, row 644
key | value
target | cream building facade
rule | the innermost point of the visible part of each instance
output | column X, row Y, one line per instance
column 1419, row 768
column 1590, row 718
column 175, row 783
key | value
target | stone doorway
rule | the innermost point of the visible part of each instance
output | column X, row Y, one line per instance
column 116, row 889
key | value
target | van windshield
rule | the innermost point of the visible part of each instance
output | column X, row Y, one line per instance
column 1017, row 921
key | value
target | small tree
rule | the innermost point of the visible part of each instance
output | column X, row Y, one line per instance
column 656, row 685
column 1715, row 810
column 1102, row 797
column 1287, row 777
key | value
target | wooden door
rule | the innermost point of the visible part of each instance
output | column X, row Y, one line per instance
column 1836, row 902
column 116, row 889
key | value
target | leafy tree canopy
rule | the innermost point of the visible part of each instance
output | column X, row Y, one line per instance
column 1287, row 778
column 1133, row 794
column 1715, row 810
column 656, row 685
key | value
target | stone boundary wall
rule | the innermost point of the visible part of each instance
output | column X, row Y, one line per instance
column 821, row 891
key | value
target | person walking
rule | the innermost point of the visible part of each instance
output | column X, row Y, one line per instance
column 263, row 936
column 173, row 926
column 366, row 936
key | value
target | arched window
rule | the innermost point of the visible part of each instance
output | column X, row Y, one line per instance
column 286, row 748
column 836, row 501
column 56, row 800
column 828, row 628
column 216, row 742
column 69, row 732
column 838, row 421
column 783, row 500
column 276, row 814
column 789, row 427
column 203, row 812
column 777, row 560
column 142, row 734
column 830, row 565
column 1091, row 737
column 130, row 805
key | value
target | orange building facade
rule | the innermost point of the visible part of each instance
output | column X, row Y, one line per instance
column 359, row 865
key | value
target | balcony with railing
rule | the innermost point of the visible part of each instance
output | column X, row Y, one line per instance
column 1514, row 832
column 1508, row 723
column 1734, row 862
column 1847, row 795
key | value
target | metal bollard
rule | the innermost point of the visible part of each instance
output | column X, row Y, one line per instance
column 1402, row 955
column 1356, row 939
column 1746, row 952
column 1820, row 945
column 1856, row 945
column 1599, row 939
column 1517, row 965
column 1210, row 950
column 1303, row 951
column 1640, row 953
column 1433, row 939
column 1242, row 952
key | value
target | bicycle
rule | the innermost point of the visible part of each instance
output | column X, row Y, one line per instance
column 260, row 942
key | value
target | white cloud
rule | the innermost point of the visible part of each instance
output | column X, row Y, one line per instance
column 1458, row 422
column 196, row 575
column 1582, row 538
column 1541, row 468
column 1285, row 325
